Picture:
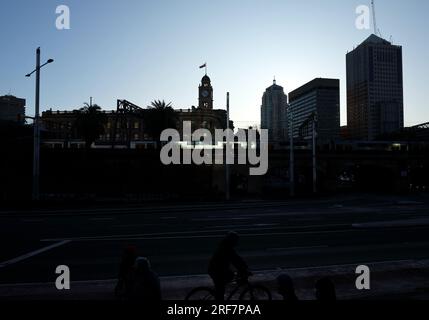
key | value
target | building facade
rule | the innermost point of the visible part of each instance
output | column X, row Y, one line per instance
column 120, row 131
column 12, row 109
column 375, row 103
column 126, row 126
column 274, row 114
column 318, row 100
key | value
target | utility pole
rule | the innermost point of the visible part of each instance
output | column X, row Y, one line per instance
column 227, row 191
column 291, row 154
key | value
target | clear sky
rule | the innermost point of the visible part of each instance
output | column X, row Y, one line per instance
column 142, row 50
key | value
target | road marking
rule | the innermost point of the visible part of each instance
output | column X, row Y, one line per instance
column 419, row 222
column 296, row 248
column 235, row 226
column 102, row 219
column 137, row 225
column 179, row 235
column 32, row 220
column 194, row 232
column 33, row 253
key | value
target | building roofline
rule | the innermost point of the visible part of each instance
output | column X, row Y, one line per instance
column 316, row 83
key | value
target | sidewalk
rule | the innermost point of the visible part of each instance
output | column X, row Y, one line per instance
column 389, row 280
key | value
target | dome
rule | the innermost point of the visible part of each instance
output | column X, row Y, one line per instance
column 206, row 78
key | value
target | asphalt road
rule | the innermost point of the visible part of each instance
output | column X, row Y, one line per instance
column 179, row 240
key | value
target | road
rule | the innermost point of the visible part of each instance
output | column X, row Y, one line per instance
column 179, row 240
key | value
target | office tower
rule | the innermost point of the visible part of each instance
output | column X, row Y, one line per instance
column 375, row 103
column 318, row 99
column 274, row 114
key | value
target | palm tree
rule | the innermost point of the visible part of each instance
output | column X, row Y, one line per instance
column 90, row 123
column 160, row 116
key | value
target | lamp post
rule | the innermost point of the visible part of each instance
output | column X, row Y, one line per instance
column 36, row 148
column 227, row 176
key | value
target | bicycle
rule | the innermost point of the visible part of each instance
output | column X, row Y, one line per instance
column 252, row 292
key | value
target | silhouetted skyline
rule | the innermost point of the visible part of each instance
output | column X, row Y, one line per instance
column 145, row 50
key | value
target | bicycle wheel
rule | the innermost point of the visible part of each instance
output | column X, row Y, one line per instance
column 201, row 294
column 256, row 293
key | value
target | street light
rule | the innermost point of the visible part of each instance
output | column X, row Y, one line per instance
column 36, row 149
column 227, row 177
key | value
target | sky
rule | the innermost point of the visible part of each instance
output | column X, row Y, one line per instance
column 142, row 50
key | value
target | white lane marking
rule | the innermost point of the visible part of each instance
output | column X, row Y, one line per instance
column 194, row 232
column 175, row 236
column 33, row 253
column 423, row 222
column 220, row 219
column 230, row 226
column 102, row 219
column 32, row 220
column 296, row 248
column 211, row 207
column 137, row 225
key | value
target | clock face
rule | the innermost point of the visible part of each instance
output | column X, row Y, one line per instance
column 205, row 93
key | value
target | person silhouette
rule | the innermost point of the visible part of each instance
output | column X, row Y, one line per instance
column 126, row 270
column 286, row 288
column 220, row 264
column 325, row 290
column 146, row 285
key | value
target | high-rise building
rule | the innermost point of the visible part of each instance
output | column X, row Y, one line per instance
column 318, row 100
column 12, row 109
column 375, row 103
column 274, row 114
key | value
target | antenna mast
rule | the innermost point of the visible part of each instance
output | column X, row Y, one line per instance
column 374, row 17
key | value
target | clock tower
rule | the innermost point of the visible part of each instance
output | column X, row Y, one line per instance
column 205, row 97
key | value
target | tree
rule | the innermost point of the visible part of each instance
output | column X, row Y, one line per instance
column 90, row 123
column 160, row 116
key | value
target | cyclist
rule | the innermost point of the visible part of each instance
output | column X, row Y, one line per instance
column 220, row 265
